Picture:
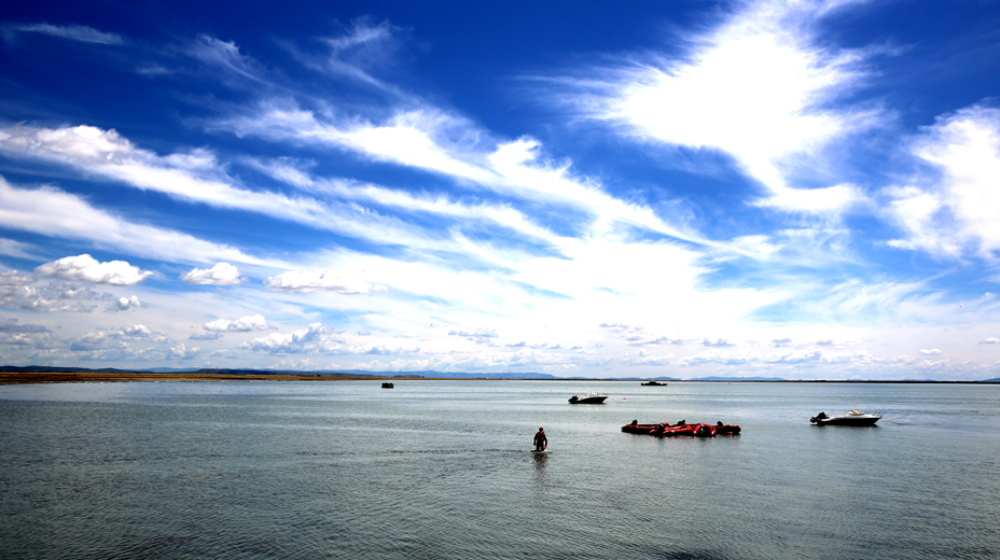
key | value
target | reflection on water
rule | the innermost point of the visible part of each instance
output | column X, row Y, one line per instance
column 441, row 470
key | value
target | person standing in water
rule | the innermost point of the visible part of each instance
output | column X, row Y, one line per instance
column 541, row 442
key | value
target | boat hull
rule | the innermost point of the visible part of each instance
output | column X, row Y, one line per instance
column 587, row 400
column 847, row 422
column 852, row 418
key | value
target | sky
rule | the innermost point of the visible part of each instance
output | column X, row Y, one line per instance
column 803, row 189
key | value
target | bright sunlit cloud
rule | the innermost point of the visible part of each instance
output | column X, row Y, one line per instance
column 765, row 188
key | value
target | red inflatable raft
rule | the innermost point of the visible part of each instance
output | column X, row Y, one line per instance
column 681, row 428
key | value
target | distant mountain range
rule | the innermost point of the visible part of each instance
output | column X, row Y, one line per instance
column 424, row 374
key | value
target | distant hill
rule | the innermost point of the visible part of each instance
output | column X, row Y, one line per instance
column 251, row 371
column 51, row 369
column 430, row 374
column 451, row 375
column 738, row 379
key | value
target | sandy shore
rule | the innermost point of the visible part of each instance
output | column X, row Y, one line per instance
column 63, row 377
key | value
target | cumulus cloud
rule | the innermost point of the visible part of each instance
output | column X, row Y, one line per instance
column 124, row 304
column 87, row 269
column 307, row 281
column 222, row 274
column 930, row 352
column 13, row 326
column 302, row 341
column 990, row 340
column 13, row 333
column 18, row 292
column 181, row 352
column 243, row 324
column 206, row 336
column 117, row 339
column 100, row 340
column 719, row 343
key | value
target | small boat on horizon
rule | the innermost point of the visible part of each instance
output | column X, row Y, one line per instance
column 653, row 384
column 852, row 418
column 387, row 385
column 590, row 398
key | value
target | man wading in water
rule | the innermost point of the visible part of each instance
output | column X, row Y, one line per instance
column 541, row 442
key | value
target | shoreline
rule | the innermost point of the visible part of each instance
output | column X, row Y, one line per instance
column 27, row 377
column 16, row 378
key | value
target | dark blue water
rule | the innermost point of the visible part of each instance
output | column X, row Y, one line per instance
column 441, row 469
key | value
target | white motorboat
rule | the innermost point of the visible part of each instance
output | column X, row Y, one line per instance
column 589, row 398
column 852, row 418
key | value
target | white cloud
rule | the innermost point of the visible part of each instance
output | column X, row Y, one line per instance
column 478, row 333
column 124, row 304
column 120, row 339
column 303, row 341
column 13, row 326
column 754, row 88
column 181, row 352
column 243, row 324
column 207, row 336
column 796, row 357
column 80, row 33
column 225, row 56
column 194, row 177
column 645, row 359
column 54, row 213
column 720, row 357
column 17, row 292
column 956, row 216
column 307, row 281
column 424, row 139
column 990, row 340
column 88, row 269
column 17, row 249
column 222, row 274
column 136, row 331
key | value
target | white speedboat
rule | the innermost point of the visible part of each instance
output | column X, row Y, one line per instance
column 852, row 418
column 589, row 398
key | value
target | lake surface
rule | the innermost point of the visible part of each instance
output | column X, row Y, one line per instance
column 442, row 469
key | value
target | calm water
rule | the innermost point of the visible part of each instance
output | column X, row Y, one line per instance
column 441, row 469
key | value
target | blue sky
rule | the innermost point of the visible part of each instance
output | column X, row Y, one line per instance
column 797, row 189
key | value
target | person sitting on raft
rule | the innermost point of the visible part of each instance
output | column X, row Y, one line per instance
column 541, row 442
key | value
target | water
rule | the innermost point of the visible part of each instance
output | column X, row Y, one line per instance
column 442, row 469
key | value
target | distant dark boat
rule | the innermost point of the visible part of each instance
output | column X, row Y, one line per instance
column 387, row 385
column 852, row 418
column 653, row 384
column 589, row 398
